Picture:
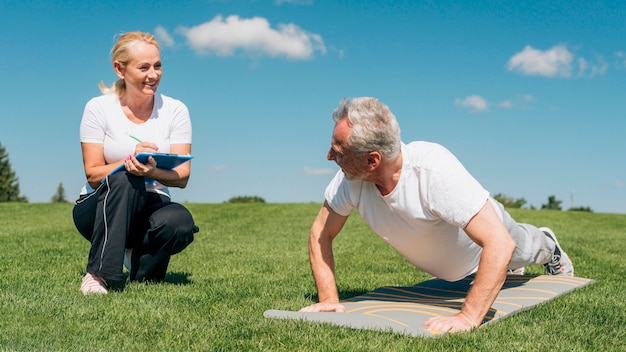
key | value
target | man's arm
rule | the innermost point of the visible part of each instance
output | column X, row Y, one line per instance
column 488, row 231
column 324, row 230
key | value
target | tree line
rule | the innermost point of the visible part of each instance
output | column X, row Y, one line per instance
column 551, row 204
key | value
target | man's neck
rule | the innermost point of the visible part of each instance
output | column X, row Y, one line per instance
column 387, row 175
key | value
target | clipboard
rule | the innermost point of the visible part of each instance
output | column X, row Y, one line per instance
column 163, row 160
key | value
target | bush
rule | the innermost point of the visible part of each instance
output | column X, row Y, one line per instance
column 246, row 199
column 587, row 209
column 509, row 202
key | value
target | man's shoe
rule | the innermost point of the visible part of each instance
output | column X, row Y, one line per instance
column 93, row 284
column 560, row 264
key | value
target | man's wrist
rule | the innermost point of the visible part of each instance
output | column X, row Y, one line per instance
column 473, row 323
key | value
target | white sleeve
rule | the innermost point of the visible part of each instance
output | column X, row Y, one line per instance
column 342, row 195
column 180, row 125
column 93, row 123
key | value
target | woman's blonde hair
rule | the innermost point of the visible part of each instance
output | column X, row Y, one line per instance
column 121, row 54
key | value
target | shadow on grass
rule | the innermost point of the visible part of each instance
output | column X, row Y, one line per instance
column 177, row 278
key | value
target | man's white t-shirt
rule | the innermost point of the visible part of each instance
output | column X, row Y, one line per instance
column 104, row 122
column 424, row 216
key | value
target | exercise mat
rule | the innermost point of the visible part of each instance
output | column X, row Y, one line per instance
column 404, row 309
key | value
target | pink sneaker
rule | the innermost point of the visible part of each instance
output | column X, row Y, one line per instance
column 93, row 284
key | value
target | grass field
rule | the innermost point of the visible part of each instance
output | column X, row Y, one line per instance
column 252, row 257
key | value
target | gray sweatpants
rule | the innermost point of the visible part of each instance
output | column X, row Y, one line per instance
column 533, row 246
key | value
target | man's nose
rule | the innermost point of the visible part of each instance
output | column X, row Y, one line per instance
column 331, row 154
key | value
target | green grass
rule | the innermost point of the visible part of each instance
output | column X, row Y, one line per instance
column 252, row 257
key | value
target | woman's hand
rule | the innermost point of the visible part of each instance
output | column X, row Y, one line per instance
column 136, row 168
column 146, row 147
column 176, row 177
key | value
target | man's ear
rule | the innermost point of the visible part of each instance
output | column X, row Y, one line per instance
column 373, row 160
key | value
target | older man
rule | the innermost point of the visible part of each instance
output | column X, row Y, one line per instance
column 421, row 200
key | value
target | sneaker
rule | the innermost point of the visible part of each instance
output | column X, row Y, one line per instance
column 93, row 284
column 560, row 264
column 518, row 271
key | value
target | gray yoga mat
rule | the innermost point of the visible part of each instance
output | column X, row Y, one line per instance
column 404, row 309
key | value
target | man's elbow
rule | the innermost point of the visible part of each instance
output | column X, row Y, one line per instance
column 509, row 247
column 314, row 239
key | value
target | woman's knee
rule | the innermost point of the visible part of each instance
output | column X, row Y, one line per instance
column 175, row 223
column 83, row 214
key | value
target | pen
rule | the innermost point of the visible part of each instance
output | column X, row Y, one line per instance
column 139, row 140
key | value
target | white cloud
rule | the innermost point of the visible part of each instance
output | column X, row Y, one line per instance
column 163, row 37
column 556, row 62
column 620, row 184
column 316, row 172
column 226, row 36
column 586, row 68
column 506, row 104
column 476, row 103
column 519, row 100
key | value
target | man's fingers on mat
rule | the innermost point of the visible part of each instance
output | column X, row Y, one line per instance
column 324, row 307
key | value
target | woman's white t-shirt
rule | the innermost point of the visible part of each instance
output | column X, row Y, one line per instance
column 424, row 216
column 105, row 123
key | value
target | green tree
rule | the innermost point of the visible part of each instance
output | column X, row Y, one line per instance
column 59, row 197
column 246, row 199
column 509, row 202
column 9, row 184
column 553, row 204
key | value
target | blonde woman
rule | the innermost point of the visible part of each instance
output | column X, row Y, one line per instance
column 128, row 216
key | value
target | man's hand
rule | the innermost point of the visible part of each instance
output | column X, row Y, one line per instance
column 487, row 230
column 324, row 307
column 457, row 323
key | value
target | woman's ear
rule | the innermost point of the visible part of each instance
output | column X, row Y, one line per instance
column 119, row 69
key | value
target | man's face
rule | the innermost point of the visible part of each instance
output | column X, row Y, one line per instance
column 354, row 168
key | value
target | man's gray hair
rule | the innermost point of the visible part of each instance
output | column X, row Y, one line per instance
column 374, row 126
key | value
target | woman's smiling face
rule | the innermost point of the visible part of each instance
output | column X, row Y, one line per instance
column 142, row 73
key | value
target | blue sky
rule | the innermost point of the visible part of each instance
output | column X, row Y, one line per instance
column 530, row 96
